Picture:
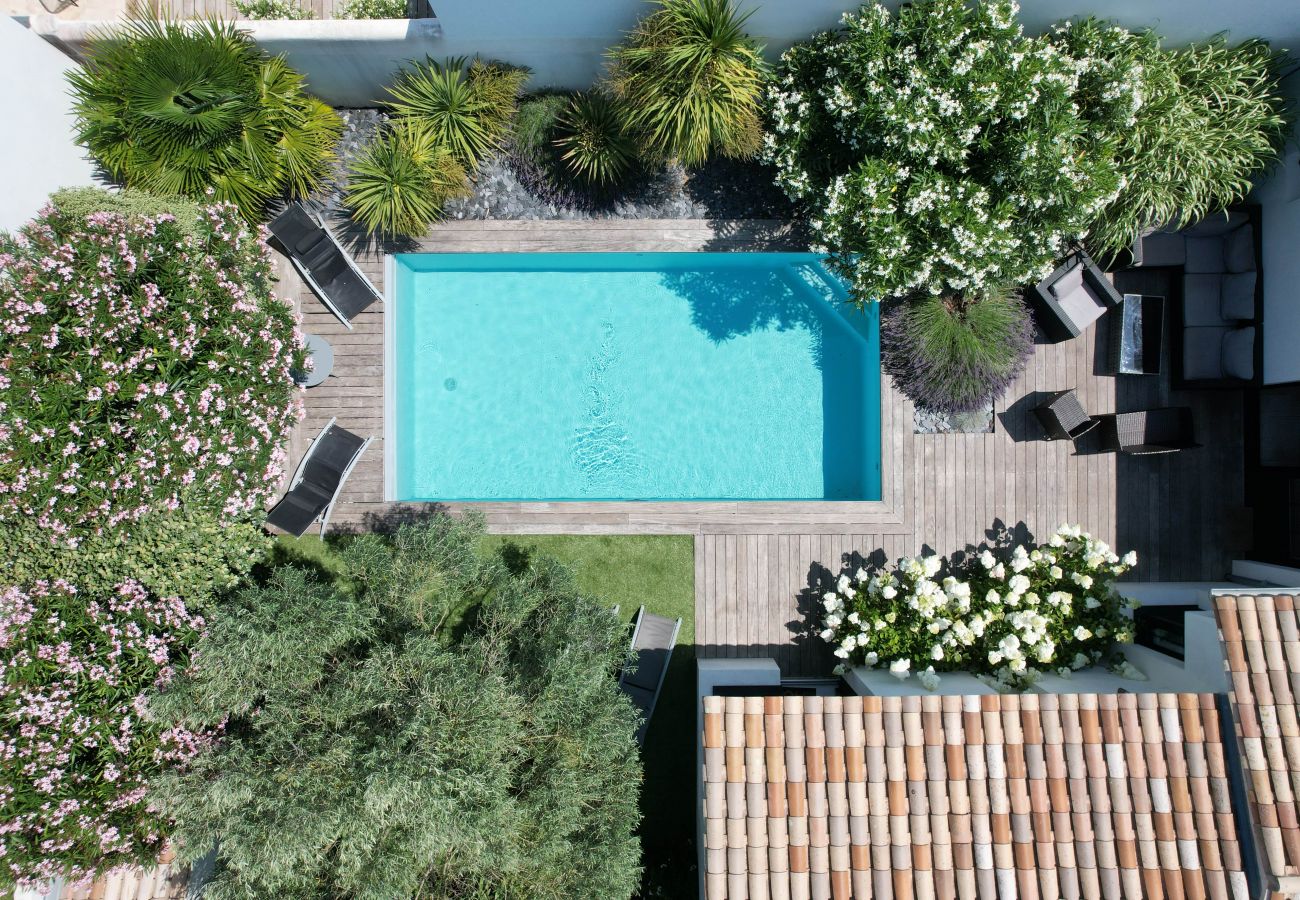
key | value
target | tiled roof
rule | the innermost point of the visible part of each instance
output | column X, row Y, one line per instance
column 1261, row 643
column 1036, row 796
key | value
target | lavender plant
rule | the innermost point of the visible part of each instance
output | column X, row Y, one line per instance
column 140, row 366
column 938, row 150
column 79, row 746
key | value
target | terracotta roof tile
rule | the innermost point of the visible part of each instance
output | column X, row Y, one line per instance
column 1035, row 796
column 1261, row 644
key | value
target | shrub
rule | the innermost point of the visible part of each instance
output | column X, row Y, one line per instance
column 188, row 108
column 954, row 355
column 139, row 367
column 72, row 206
column 80, row 746
column 187, row 552
column 938, row 150
column 272, row 9
column 372, row 9
column 691, row 81
column 534, row 157
column 594, row 146
column 1049, row 608
column 401, row 181
column 467, row 109
column 1211, row 117
column 432, row 726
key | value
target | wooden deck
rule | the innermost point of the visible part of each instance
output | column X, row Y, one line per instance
column 759, row 567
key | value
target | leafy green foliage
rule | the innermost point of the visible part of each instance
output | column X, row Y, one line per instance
column 466, row 107
column 939, row 149
column 186, row 553
column 401, row 181
column 272, row 9
column 72, row 206
column 428, row 724
column 955, row 355
column 372, row 9
column 1211, row 117
column 691, row 81
column 76, row 671
column 593, row 142
column 184, row 108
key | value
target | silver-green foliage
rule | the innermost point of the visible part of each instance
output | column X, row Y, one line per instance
column 430, row 726
column 372, row 9
column 1210, row 117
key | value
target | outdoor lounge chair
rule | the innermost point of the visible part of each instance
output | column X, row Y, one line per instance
column 323, row 263
column 316, row 484
column 653, row 638
column 1148, row 431
column 1072, row 297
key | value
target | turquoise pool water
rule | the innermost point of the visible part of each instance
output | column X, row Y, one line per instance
column 630, row 376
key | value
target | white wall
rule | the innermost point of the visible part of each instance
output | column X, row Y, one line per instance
column 37, row 151
column 1279, row 200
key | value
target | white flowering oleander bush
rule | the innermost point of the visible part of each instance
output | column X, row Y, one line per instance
column 140, row 365
column 1010, row 616
column 372, row 9
column 272, row 9
column 77, row 743
column 939, row 149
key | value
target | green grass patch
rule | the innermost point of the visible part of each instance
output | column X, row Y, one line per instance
column 657, row 571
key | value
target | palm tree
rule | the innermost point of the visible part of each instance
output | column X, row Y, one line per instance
column 691, row 81
column 179, row 109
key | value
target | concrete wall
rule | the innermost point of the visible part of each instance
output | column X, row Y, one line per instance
column 348, row 63
column 1279, row 200
column 38, row 154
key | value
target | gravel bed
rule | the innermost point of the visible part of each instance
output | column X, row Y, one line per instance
column 722, row 189
column 927, row 421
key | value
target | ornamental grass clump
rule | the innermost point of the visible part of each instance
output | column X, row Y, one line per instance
column 196, row 109
column 1210, row 117
column 954, row 355
column 1011, row 617
column 938, row 149
column 691, row 81
column 141, row 367
column 400, row 182
column 76, row 675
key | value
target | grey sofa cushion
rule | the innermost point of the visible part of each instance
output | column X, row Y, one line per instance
column 1164, row 248
column 1067, row 283
column 1239, row 250
column 1239, row 353
column 1203, row 353
column 1081, row 306
column 1217, row 223
column 1204, row 255
column 1202, row 301
column 1238, row 296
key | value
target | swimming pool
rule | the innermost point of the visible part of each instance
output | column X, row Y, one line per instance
column 628, row 376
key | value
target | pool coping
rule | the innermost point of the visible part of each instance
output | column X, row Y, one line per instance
column 668, row 514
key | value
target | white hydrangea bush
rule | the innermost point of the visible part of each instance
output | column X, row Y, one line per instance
column 939, row 149
column 1011, row 616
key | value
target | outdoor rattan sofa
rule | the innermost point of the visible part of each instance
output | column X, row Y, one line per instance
column 1148, row 431
column 323, row 263
column 320, row 476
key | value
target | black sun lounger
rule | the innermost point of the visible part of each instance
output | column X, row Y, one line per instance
column 323, row 263
column 320, row 476
column 653, row 639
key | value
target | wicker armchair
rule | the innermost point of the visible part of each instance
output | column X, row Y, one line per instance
column 1063, row 418
column 1165, row 430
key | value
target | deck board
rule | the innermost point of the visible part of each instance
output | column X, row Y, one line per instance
column 756, row 563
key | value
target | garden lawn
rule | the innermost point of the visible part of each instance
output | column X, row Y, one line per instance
column 657, row 571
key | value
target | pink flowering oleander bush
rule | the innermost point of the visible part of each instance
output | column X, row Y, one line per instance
column 77, row 742
column 1011, row 617
column 143, row 362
